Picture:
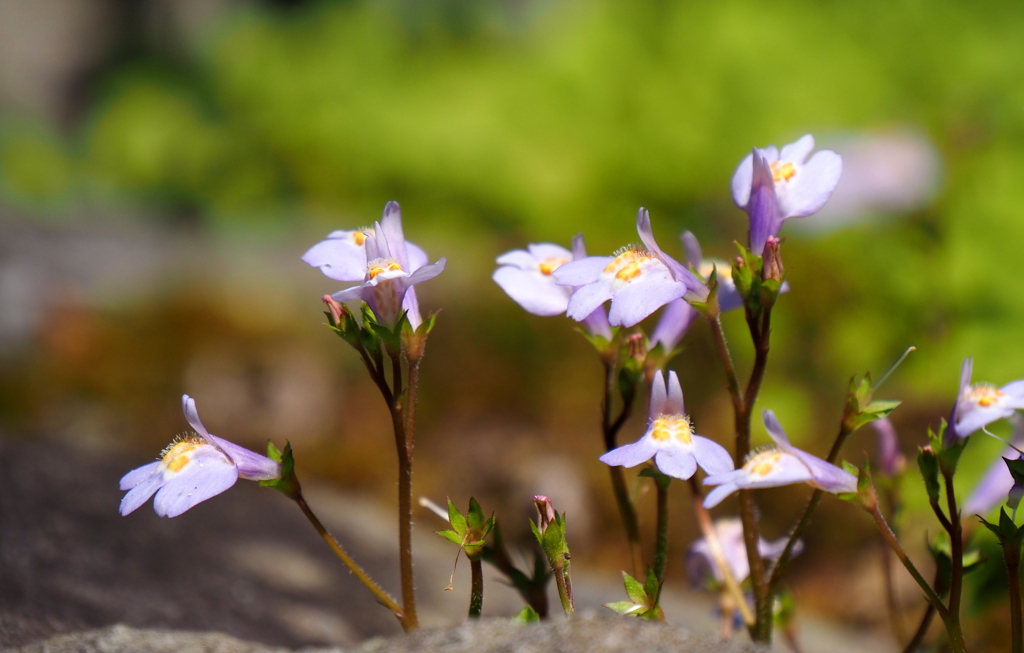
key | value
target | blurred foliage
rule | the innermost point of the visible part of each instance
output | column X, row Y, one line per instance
column 497, row 124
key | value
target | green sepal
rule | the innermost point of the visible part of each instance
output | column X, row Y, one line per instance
column 603, row 345
column 347, row 328
column 652, row 587
column 1009, row 534
column 865, row 496
column 367, row 334
column 626, row 607
column 552, row 540
column 288, row 483
column 948, row 454
column 928, row 464
column 1016, row 467
column 634, row 590
column 526, row 616
column 392, row 338
column 747, row 277
column 451, row 536
column 709, row 308
column 475, row 516
column 860, row 408
column 456, row 519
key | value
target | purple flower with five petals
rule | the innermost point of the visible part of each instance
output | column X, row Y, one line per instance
column 980, row 404
column 772, row 186
column 670, row 439
column 782, row 464
column 192, row 469
column 527, row 276
column 381, row 258
column 638, row 281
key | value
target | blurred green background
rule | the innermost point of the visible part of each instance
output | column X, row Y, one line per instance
column 164, row 164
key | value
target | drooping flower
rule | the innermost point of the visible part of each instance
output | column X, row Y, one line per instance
column 701, row 568
column 527, row 276
column 980, row 404
column 782, row 464
column 670, row 440
column 381, row 258
column 638, row 280
column 192, row 469
column 772, row 186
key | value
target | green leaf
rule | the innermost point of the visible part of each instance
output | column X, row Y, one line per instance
column 451, row 536
column 634, row 590
column 475, row 516
column 626, row 607
column 456, row 519
column 928, row 463
column 526, row 616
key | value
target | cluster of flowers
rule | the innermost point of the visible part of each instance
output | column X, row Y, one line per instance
column 198, row 466
column 546, row 279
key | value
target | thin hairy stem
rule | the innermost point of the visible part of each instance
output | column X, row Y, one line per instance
column 760, row 334
column 956, row 638
column 722, row 348
column 610, row 428
column 563, row 591
column 356, row 570
column 404, row 447
column 1011, row 555
column 661, row 543
column 956, row 553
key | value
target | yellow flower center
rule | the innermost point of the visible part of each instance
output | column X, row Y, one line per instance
column 782, row 171
column 383, row 265
column 550, row 264
column 764, row 463
column 984, row 394
column 179, row 453
column 358, row 237
column 628, row 265
column 669, row 427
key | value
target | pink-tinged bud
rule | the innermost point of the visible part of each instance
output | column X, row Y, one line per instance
column 773, row 269
column 334, row 308
column 546, row 511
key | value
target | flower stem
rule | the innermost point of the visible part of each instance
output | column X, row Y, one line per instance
column 661, row 543
column 711, row 537
column 356, row 570
column 956, row 539
column 476, row 597
column 1011, row 555
column 760, row 334
column 610, row 428
column 563, row 591
column 895, row 615
column 404, row 445
column 956, row 638
column 727, row 365
column 812, row 504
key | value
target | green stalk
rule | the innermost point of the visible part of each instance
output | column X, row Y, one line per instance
column 661, row 545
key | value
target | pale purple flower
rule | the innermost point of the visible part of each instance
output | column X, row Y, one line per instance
column 193, row 469
column 994, row 487
column 782, row 464
column 890, row 460
column 381, row 258
column 389, row 273
column 772, row 186
column 980, row 404
column 670, row 439
column 638, row 281
column 527, row 276
column 701, row 568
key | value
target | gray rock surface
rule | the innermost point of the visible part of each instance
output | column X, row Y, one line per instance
column 585, row 635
